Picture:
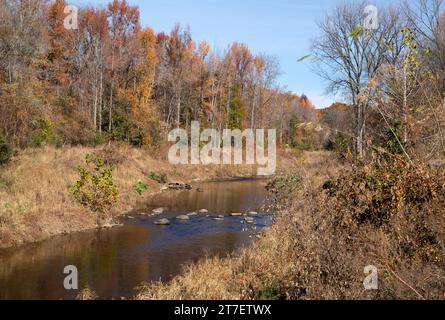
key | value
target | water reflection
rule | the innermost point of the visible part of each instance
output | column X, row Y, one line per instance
column 113, row 262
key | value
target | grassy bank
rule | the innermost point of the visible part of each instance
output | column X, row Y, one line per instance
column 334, row 223
column 35, row 198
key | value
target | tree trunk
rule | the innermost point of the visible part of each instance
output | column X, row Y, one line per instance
column 360, row 131
column 110, row 114
column 95, row 101
column 405, row 104
column 178, row 119
column 101, row 100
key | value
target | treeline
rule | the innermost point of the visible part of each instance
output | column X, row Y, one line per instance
column 113, row 79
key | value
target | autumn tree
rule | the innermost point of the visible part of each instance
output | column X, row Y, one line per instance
column 124, row 27
column 22, row 95
column 139, row 94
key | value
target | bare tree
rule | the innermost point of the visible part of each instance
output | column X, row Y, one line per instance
column 348, row 54
column 20, row 36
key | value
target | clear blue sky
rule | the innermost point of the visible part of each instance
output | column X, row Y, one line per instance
column 282, row 28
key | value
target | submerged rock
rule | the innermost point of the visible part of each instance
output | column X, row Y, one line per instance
column 192, row 214
column 183, row 217
column 219, row 218
column 162, row 222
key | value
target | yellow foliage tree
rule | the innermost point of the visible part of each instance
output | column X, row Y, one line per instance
column 139, row 94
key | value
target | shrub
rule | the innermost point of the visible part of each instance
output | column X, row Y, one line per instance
column 393, row 138
column 125, row 129
column 95, row 139
column 339, row 143
column 387, row 213
column 281, row 187
column 377, row 192
column 95, row 188
column 6, row 151
column 42, row 133
column 158, row 177
column 141, row 187
column 4, row 183
column 283, row 184
column 328, row 184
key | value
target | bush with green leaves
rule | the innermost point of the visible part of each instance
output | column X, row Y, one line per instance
column 125, row 129
column 95, row 188
column 43, row 133
column 141, row 187
column 394, row 142
column 284, row 184
column 340, row 143
column 281, row 187
column 159, row 177
column 6, row 151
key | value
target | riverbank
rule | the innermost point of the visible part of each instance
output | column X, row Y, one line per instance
column 35, row 198
column 353, row 231
column 268, row 266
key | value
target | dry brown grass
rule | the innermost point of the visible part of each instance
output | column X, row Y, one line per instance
column 37, row 204
column 87, row 294
column 266, row 270
column 328, row 233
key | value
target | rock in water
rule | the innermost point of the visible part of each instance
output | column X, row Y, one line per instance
column 219, row 218
column 179, row 186
column 192, row 214
column 249, row 220
column 253, row 213
column 203, row 211
column 162, row 222
column 158, row 211
column 183, row 217
column 236, row 214
column 111, row 225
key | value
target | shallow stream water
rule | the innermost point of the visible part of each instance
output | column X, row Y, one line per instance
column 113, row 262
